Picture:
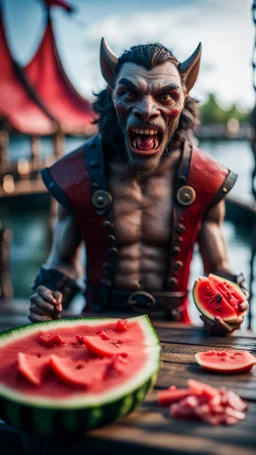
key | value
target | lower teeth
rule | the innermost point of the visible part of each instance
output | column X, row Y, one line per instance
column 136, row 145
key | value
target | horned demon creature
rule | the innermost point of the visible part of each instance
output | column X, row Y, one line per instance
column 139, row 195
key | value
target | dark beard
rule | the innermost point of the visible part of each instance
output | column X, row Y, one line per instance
column 140, row 165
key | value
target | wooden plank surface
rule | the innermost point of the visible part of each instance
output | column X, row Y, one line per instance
column 149, row 428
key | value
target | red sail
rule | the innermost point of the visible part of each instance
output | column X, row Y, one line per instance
column 45, row 71
column 18, row 105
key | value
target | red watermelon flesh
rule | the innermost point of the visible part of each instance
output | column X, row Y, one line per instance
column 231, row 291
column 215, row 296
column 64, row 376
column 226, row 361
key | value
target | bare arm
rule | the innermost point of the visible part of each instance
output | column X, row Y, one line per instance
column 213, row 250
column 211, row 240
column 45, row 303
column 65, row 245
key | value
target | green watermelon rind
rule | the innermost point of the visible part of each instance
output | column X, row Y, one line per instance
column 55, row 416
column 232, row 319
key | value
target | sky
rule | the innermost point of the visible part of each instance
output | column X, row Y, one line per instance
column 224, row 27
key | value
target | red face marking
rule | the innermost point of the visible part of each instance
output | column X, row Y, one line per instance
column 174, row 112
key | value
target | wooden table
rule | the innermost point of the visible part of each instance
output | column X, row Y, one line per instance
column 149, row 428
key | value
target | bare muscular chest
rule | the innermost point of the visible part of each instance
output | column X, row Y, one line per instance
column 141, row 209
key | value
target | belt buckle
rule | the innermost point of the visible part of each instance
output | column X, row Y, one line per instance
column 144, row 301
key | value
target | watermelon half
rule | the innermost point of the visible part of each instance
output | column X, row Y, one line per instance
column 69, row 376
column 226, row 361
column 215, row 296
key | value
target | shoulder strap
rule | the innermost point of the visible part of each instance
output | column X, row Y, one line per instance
column 101, row 200
column 177, row 226
column 200, row 183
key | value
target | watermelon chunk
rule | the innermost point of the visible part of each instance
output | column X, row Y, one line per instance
column 215, row 296
column 204, row 402
column 199, row 388
column 121, row 325
column 51, row 340
column 226, row 361
column 167, row 397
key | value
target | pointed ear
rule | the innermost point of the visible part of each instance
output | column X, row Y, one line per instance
column 190, row 67
column 108, row 62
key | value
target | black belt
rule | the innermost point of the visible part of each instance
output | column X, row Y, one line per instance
column 171, row 303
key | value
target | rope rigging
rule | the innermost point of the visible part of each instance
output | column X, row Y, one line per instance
column 253, row 182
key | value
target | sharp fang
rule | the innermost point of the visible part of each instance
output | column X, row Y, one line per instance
column 134, row 144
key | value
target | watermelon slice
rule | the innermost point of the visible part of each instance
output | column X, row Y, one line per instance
column 215, row 296
column 77, row 373
column 226, row 361
column 82, row 389
column 102, row 348
column 32, row 368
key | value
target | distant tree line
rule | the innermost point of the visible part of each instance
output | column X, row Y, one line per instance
column 212, row 113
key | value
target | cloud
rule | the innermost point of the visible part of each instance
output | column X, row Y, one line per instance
column 225, row 29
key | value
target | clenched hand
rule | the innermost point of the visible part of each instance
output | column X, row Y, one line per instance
column 45, row 305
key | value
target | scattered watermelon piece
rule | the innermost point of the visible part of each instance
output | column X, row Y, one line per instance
column 103, row 335
column 167, row 397
column 121, row 325
column 199, row 388
column 50, row 340
column 226, row 361
column 215, row 296
column 204, row 402
column 102, row 348
column 32, row 368
column 80, row 338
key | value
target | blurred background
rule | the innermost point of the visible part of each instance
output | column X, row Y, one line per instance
column 49, row 69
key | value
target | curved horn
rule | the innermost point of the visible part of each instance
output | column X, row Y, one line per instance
column 108, row 62
column 190, row 67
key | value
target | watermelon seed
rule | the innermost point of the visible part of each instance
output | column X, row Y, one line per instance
column 79, row 366
column 218, row 297
column 39, row 355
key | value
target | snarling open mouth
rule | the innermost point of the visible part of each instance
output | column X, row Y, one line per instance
column 144, row 141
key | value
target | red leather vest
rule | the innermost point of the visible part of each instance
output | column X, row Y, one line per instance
column 77, row 182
